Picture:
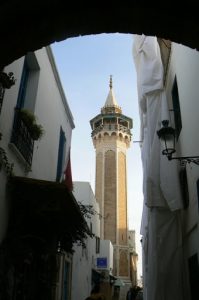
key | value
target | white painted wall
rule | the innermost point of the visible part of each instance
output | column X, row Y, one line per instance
column 106, row 250
column 131, row 239
column 51, row 114
column 84, row 194
column 7, row 113
column 52, row 111
column 184, row 63
column 84, row 260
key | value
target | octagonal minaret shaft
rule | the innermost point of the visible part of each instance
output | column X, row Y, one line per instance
column 111, row 135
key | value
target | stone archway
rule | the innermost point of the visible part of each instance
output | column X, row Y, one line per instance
column 27, row 26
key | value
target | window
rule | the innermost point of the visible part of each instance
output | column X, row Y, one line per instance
column 197, row 184
column 23, row 85
column 29, row 83
column 184, row 187
column 61, row 155
column 176, row 108
column 97, row 245
column 22, row 137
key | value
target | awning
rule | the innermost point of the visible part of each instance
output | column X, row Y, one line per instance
column 45, row 209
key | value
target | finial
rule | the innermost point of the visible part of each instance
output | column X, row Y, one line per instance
column 111, row 83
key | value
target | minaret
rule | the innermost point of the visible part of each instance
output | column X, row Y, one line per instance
column 111, row 135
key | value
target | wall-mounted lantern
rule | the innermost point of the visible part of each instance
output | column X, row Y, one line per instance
column 167, row 136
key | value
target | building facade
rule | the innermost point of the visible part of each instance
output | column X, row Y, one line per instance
column 111, row 135
column 167, row 90
column 133, row 257
column 181, row 86
column 39, row 216
column 92, row 264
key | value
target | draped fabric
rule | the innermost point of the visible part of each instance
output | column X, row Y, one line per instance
column 68, row 174
column 160, row 226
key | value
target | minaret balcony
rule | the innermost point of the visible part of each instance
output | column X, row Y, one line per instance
column 111, row 128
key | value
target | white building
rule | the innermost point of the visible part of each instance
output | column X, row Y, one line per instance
column 94, row 263
column 133, row 257
column 182, row 92
column 39, row 217
column 170, row 209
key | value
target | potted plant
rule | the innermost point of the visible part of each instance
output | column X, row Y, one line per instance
column 36, row 130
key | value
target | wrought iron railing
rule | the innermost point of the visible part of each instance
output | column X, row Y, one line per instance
column 21, row 138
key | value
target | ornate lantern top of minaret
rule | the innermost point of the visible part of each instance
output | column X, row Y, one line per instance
column 111, row 122
column 111, row 105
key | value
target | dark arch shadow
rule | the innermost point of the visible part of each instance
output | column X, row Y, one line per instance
column 27, row 26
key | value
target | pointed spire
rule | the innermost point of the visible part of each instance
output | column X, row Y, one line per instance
column 110, row 100
column 111, row 83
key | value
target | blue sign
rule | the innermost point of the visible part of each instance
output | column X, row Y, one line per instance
column 102, row 262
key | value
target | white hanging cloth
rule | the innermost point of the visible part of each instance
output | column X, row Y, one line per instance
column 162, row 190
column 160, row 227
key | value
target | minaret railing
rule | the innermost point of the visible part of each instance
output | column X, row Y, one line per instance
column 111, row 127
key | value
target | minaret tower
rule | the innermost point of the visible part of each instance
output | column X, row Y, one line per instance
column 111, row 135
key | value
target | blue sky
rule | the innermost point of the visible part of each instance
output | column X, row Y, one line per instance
column 85, row 65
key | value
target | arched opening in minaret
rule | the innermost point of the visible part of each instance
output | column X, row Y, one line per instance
column 106, row 134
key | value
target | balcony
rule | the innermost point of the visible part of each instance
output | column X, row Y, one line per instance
column 22, row 138
column 111, row 127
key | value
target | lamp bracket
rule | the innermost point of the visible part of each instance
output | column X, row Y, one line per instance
column 186, row 159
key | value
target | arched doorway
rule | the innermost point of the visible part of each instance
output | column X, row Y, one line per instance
column 27, row 27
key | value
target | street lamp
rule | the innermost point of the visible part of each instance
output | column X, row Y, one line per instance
column 167, row 135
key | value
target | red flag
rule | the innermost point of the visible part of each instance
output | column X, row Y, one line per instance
column 68, row 175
